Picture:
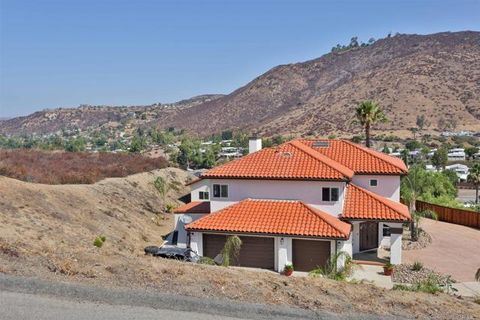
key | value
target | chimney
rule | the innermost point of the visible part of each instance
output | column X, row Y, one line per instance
column 254, row 144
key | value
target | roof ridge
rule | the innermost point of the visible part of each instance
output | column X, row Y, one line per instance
column 345, row 171
column 320, row 214
column 372, row 153
column 377, row 197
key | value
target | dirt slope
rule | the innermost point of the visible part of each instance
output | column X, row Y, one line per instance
column 48, row 231
column 436, row 75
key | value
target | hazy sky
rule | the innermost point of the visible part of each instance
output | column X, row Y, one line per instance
column 66, row 53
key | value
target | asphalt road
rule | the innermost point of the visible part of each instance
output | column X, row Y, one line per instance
column 33, row 298
column 21, row 306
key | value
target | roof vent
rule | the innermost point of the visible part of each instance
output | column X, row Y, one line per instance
column 286, row 154
column 320, row 144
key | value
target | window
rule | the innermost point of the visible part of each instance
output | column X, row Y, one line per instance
column 330, row 194
column 386, row 231
column 203, row 195
column 373, row 182
column 220, row 191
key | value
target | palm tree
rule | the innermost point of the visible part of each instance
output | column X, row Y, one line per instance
column 416, row 216
column 474, row 178
column 368, row 113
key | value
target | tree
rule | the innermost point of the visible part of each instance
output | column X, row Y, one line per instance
column 471, row 151
column 162, row 187
column 440, row 158
column 474, row 178
column 416, row 217
column 138, row 144
column 368, row 113
column 422, row 122
column 231, row 250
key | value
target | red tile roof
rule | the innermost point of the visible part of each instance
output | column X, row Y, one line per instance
column 360, row 159
column 276, row 217
column 194, row 207
column 362, row 204
column 291, row 160
column 306, row 160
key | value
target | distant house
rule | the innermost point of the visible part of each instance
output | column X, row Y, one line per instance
column 456, row 154
column 460, row 169
column 300, row 202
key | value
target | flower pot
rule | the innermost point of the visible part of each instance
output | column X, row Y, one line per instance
column 288, row 272
column 387, row 271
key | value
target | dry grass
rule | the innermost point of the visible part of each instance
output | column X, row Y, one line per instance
column 51, row 229
column 72, row 167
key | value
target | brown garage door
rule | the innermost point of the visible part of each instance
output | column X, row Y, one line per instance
column 309, row 254
column 256, row 252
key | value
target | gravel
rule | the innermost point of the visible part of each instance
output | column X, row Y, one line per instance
column 424, row 239
column 405, row 274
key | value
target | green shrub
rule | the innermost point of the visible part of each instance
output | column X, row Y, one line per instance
column 206, row 260
column 417, row 266
column 331, row 271
column 430, row 285
column 231, row 250
column 98, row 242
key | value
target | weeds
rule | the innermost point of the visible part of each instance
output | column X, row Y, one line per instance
column 99, row 241
column 417, row 266
column 331, row 270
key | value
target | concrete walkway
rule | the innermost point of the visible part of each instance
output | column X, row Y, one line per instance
column 372, row 274
column 467, row 289
column 455, row 250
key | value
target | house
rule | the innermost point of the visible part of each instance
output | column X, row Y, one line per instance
column 300, row 202
column 460, row 169
column 456, row 154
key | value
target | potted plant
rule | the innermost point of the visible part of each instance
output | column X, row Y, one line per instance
column 388, row 269
column 288, row 270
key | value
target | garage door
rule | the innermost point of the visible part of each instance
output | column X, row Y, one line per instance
column 309, row 254
column 256, row 252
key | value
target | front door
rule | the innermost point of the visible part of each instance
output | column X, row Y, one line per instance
column 368, row 235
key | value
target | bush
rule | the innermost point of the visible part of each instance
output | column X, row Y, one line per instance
column 430, row 285
column 98, row 242
column 331, row 271
column 72, row 167
column 417, row 266
column 207, row 260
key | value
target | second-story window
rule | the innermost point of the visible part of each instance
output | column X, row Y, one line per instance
column 330, row 194
column 203, row 195
column 373, row 182
column 220, row 191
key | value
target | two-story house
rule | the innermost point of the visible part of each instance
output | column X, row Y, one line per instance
column 299, row 203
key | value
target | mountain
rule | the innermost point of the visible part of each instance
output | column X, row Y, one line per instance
column 93, row 117
column 434, row 75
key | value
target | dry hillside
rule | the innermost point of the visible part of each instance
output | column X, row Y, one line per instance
column 48, row 231
column 437, row 75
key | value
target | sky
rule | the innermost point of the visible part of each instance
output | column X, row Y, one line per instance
column 117, row 52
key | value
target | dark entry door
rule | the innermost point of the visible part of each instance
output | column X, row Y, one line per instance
column 368, row 235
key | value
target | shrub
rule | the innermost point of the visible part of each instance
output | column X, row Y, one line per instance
column 288, row 267
column 72, row 167
column 417, row 266
column 331, row 271
column 98, row 242
column 206, row 260
column 430, row 285
column 231, row 250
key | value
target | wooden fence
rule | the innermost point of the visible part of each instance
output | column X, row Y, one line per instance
column 452, row 215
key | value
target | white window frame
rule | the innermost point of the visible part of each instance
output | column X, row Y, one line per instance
column 204, row 192
column 220, row 184
column 330, row 194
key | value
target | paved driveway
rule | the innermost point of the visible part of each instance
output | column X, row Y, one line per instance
column 454, row 250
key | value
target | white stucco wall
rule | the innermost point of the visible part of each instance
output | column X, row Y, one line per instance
column 180, row 227
column 309, row 192
column 196, row 242
column 388, row 186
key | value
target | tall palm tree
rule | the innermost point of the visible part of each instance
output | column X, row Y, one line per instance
column 474, row 178
column 368, row 113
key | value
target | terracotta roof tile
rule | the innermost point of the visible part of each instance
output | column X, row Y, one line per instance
column 281, row 217
column 194, row 207
column 291, row 160
column 360, row 159
column 365, row 205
